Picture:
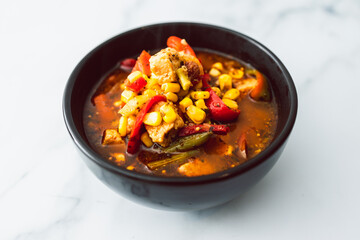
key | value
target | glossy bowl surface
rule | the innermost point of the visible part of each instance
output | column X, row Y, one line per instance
column 180, row 193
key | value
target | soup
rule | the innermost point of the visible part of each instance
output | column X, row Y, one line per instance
column 180, row 113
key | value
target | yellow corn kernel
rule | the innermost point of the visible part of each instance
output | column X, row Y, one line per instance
column 225, row 81
column 150, row 93
column 232, row 94
column 195, row 114
column 199, row 85
column 170, row 87
column 135, row 75
column 123, row 86
column 214, row 72
column 130, row 168
column 200, row 104
column 185, row 103
column 118, row 103
column 122, row 126
column 183, row 78
column 171, row 96
column 230, row 103
column 151, row 82
column 168, row 112
column 153, row 119
column 147, row 79
column 200, row 95
column 133, row 105
column 182, row 93
column 236, row 73
column 218, row 66
column 217, row 91
column 146, row 139
column 126, row 95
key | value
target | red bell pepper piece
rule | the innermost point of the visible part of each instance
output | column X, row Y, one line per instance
column 137, row 85
column 217, row 129
column 218, row 110
column 134, row 139
column 261, row 90
column 175, row 42
column 128, row 64
column 142, row 64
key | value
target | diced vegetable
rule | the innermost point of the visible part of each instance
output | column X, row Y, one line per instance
column 217, row 91
column 180, row 45
column 133, row 105
column 186, row 102
column 183, row 78
column 242, row 144
column 170, row 87
column 153, row 119
column 200, row 95
column 126, row 95
column 218, row 110
column 197, row 115
column 134, row 76
column 218, row 65
column 261, row 92
column 200, row 104
column 225, row 81
column 174, row 158
column 214, row 72
column 128, row 64
column 188, row 142
column 134, row 138
column 217, row 129
column 137, row 85
column 146, row 139
column 171, row 96
column 122, row 126
column 230, row 103
column 232, row 94
column 142, row 64
column 169, row 113
column 150, row 93
column 236, row 73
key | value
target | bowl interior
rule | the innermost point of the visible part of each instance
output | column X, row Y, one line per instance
column 129, row 44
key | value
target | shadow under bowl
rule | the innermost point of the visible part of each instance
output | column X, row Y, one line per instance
column 180, row 193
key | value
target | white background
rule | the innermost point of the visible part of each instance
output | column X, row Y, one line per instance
column 46, row 191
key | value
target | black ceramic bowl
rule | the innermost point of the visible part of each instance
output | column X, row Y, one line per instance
column 179, row 193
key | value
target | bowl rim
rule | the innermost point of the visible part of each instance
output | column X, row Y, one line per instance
column 274, row 146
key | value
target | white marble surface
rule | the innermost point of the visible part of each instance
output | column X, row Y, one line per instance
column 46, row 191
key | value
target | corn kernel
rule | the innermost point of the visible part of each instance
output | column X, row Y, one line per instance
column 130, row 167
column 171, row 96
column 185, row 103
column 170, row 87
column 147, row 79
column 169, row 113
column 225, row 81
column 217, row 91
column 218, row 66
column 126, row 95
column 200, row 95
column 232, row 94
column 145, row 138
column 122, row 126
column 150, row 93
column 229, row 150
column 236, row 73
column 135, row 75
column 123, row 86
column 118, row 103
column 153, row 119
column 200, row 104
column 230, row 103
column 196, row 114
column 214, row 72
column 119, row 157
column 183, row 78
column 151, row 82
